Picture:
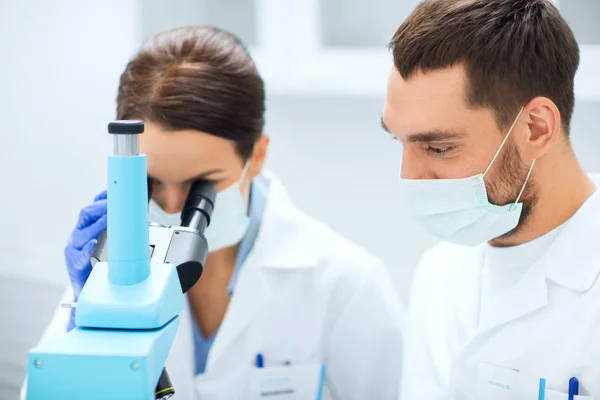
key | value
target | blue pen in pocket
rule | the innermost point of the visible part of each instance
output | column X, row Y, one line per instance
column 260, row 363
column 573, row 388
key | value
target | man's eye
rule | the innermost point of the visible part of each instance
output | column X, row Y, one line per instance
column 438, row 150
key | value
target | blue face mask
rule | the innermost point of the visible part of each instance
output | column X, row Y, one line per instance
column 228, row 223
column 458, row 210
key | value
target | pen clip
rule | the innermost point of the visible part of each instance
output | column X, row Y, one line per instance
column 259, row 362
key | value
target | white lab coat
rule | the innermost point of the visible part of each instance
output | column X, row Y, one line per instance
column 304, row 294
column 547, row 326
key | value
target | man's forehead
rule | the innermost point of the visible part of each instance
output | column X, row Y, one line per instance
column 438, row 86
column 425, row 102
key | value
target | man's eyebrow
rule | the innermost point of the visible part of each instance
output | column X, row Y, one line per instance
column 434, row 136
column 429, row 136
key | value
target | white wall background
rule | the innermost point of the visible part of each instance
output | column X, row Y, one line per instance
column 61, row 61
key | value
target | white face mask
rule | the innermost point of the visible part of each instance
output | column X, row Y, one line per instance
column 229, row 220
column 458, row 210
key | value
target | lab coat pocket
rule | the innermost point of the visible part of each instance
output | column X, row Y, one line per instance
column 223, row 388
column 288, row 382
column 498, row 383
column 553, row 395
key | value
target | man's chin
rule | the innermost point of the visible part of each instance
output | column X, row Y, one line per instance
column 507, row 239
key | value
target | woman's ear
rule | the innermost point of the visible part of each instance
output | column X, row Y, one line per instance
column 257, row 159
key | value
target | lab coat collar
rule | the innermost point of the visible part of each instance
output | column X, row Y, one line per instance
column 283, row 240
column 566, row 263
column 569, row 261
column 251, row 295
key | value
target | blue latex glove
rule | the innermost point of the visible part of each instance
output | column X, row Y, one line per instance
column 79, row 249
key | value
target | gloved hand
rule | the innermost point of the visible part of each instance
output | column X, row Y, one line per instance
column 78, row 252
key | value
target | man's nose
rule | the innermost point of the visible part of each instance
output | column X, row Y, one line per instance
column 413, row 165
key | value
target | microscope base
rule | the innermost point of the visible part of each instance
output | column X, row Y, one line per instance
column 100, row 364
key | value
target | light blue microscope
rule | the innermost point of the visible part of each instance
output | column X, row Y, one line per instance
column 128, row 311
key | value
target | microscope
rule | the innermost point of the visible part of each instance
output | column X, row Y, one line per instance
column 128, row 311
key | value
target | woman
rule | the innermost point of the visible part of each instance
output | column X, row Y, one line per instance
column 278, row 287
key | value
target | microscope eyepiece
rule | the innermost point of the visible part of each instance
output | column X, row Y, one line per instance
column 125, row 135
column 199, row 206
column 126, row 127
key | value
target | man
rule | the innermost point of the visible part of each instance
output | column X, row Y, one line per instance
column 508, row 305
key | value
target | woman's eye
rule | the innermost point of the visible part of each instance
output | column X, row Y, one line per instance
column 154, row 182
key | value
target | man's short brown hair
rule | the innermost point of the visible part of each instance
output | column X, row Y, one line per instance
column 512, row 51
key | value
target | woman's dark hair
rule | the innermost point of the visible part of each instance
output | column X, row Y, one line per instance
column 199, row 78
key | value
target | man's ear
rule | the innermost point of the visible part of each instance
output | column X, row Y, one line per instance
column 257, row 159
column 544, row 126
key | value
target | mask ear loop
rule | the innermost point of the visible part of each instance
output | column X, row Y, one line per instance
column 244, row 171
column 504, row 141
column 242, row 176
column 400, row 169
column 511, row 208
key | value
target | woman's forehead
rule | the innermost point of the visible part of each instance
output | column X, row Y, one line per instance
column 180, row 155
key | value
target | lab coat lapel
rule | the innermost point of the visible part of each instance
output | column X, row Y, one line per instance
column 572, row 258
column 279, row 245
column 527, row 296
column 250, row 296
column 579, row 236
column 467, row 296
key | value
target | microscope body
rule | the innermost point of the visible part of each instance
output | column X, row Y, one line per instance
column 128, row 311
